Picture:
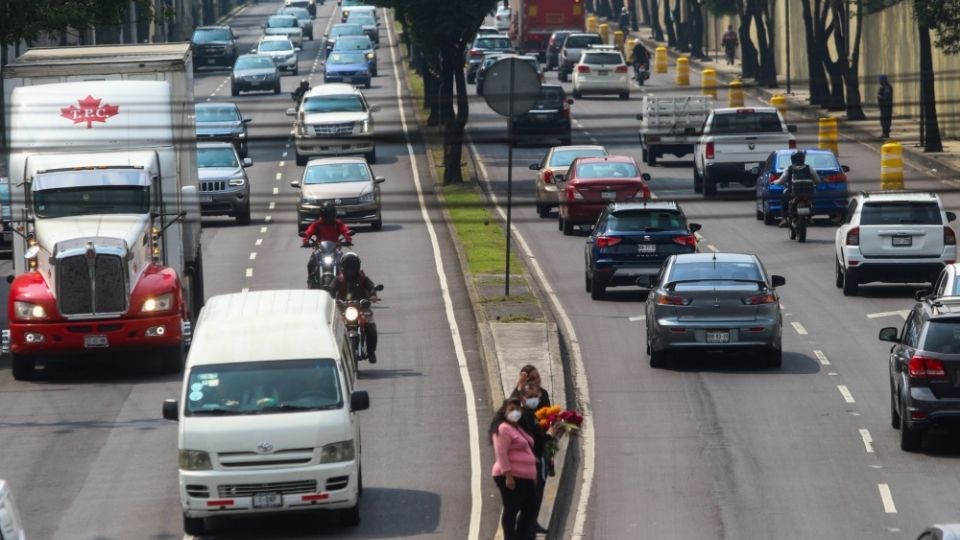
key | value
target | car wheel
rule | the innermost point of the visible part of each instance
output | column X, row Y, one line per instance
column 838, row 274
column 643, row 155
column 350, row 517
column 23, row 367
column 773, row 359
column 911, row 439
column 697, row 181
column 243, row 218
column 244, row 149
column 597, row 290
column 234, row 91
column 577, row 94
column 894, row 411
column 587, row 282
column 567, row 228
column 850, row 285
column 559, row 222
column 471, row 79
column 193, row 526
column 376, row 72
column 759, row 215
column 296, row 70
column 651, row 156
column 624, row 95
column 709, row 187
column 769, row 218
column 301, row 160
column 276, row 89
column 371, row 156
column 377, row 225
column 658, row 359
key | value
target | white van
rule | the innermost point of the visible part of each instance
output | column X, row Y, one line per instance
column 11, row 528
column 267, row 413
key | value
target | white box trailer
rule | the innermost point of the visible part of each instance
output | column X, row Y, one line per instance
column 665, row 121
column 104, row 199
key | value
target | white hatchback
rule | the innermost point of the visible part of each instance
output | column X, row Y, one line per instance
column 601, row 70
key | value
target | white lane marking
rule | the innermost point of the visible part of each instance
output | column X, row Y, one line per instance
column 476, row 493
column 208, row 99
column 281, row 164
column 272, row 205
column 899, row 313
column 268, row 218
column 287, row 146
column 253, row 255
column 283, row 155
column 822, row 358
column 249, row 272
column 845, row 392
column 833, row 374
column 276, row 190
column 712, row 248
column 867, row 440
column 799, row 328
column 279, row 176
column 637, row 318
column 263, row 229
column 245, row 289
column 887, row 499
column 258, row 242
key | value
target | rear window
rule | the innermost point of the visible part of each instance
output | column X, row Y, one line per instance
column 551, row 97
column 817, row 161
column 645, row 220
column 756, row 122
column 564, row 158
column 493, row 43
column 715, row 271
column 606, row 170
column 602, row 58
column 282, row 21
column 581, row 42
column 211, row 34
column 943, row 337
column 901, row 213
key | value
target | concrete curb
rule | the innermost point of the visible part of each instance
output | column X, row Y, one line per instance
column 236, row 10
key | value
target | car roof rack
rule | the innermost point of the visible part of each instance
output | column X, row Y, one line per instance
column 603, row 47
column 867, row 194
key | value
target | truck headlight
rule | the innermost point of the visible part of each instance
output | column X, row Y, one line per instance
column 336, row 452
column 366, row 198
column 236, row 182
column 351, row 314
column 29, row 312
column 195, row 460
column 365, row 128
column 158, row 303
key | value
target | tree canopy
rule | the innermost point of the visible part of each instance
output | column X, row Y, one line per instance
column 28, row 19
column 943, row 17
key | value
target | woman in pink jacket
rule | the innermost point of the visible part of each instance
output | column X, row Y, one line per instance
column 514, row 471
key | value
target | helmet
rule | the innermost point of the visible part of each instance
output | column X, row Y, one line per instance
column 798, row 158
column 350, row 264
column 328, row 212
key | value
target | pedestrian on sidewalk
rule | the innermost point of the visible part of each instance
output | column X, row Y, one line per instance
column 885, row 102
column 624, row 20
column 530, row 374
column 514, row 470
column 730, row 42
column 532, row 396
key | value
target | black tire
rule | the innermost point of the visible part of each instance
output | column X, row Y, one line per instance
column 377, row 225
column 368, row 84
column 651, row 156
column 587, row 282
column 559, row 222
column 643, row 155
column 658, row 359
column 276, row 89
column 801, row 230
column 301, row 160
column 567, row 228
column 561, row 75
column 759, row 215
column 577, row 94
column 709, row 187
column 234, row 91
column 194, row 526
column 624, row 95
column 543, row 210
column 697, row 181
column 376, row 72
column 597, row 289
column 243, row 218
column 172, row 359
column 769, row 218
column 773, row 359
column 911, row 439
column 296, row 70
column 371, row 156
column 850, row 285
column 244, row 149
column 350, row 517
column 24, row 368
column 838, row 275
column 196, row 288
column 471, row 79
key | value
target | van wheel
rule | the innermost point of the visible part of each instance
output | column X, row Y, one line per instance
column 587, row 282
column 351, row 516
column 23, row 367
column 196, row 288
column 709, row 187
column 193, row 526
column 172, row 358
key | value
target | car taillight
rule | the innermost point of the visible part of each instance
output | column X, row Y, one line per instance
column 835, row 178
column 653, row 138
column 853, row 237
column 566, row 110
column 475, row 53
column 621, row 69
column 923, row 367
column 758, row 299
column 673, row 300
column 949, row 238
column 685, row 240
column 774, row 176
column 608, row 241
column 573, row 194
column 547, row 177
column 709, row 152
column 583, row 69
column 793, row 144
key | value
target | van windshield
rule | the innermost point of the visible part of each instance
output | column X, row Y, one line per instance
column 83, row 193
column 269, row 387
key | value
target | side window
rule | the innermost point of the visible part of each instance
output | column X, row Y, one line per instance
column 911, row 330
column 851, row 210
column 938, row 289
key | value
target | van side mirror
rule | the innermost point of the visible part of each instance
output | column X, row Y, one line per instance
column 534, row 166
column 921, row 295
column 951, row 216
column 890, row 334
column 791, row 128
column 170, row 409
column 295, row 184
column 778, row 281
column 359, row 400
column 694, row 227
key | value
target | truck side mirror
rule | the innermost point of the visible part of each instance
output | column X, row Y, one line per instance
column 170, row 409
column 359, row 400
column 778, row 281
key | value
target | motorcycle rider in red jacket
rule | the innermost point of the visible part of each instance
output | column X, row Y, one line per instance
column 327, row 227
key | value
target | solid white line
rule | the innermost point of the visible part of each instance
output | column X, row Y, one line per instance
column 887, row 499
column 799, row 328
column 253, row 255
column 283, row 155
column 245, row 289
column 845, row 392
column 258, row 242
column 279, row 176
column 867, row 440
column 637, row 318
column 899, row 313
column 712, row 248
column 263, row 229
column 249, row 272
column 822, row 358
column 476, row 494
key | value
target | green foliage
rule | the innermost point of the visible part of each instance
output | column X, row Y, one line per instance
column 942, row 16
column 27, row 19
column 434, row 24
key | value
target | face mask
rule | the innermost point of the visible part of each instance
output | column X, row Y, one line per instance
column 533, row 402
column 514, row 416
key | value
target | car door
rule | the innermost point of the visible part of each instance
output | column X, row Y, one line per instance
column 901, row 352
column 763, row 181
column 841, row 234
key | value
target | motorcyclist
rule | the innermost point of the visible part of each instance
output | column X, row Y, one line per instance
column 326, row 228
column 353, row 284
column 798, row 170
column 640, row 57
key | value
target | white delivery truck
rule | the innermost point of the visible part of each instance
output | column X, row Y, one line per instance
column 104, row 201
column 268, row 412
column 669, row 125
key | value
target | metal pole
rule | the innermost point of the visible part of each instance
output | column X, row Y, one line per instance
column 789, row 90
column 510, row 89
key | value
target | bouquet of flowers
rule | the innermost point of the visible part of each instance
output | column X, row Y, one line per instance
column 562, row 421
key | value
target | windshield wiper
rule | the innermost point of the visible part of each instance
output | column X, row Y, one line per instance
column 219, row 412
column 291, row 407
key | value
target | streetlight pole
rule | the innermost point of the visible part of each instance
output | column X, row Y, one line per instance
column 789, row 90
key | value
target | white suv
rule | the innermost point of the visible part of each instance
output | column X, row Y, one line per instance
column 601, row 70
column 334, row 119
column 893, row 237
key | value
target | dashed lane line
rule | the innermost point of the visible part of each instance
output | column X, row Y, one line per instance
column 268, row 219
column 273, row 205
column 278, row 176
column 822, row 358
column 887, row 498
column 284, row 154
column 253, row 255
column 799, row 328
column 249, row 272
column 867, row 440
column 281, row 164
column 263, row 230
column 845, row 392
column 637, row 318
column 712, row 248
column 258, row 242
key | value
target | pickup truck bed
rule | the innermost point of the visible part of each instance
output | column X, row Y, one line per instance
column 665, row 122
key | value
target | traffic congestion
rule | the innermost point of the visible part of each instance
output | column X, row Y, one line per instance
column 238, row 307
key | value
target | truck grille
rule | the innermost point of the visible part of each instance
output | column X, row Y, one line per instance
column 77, row 294
column 286, row 488
column 334, row 129
column 213, row 185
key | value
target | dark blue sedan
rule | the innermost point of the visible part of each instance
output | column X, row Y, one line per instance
column 633, row 239
column 831, row 195
column 347, row 67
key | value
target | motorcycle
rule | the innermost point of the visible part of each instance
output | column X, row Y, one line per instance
column 355, row 314
column 326, row 265
column 800, row 211
column 641, row 72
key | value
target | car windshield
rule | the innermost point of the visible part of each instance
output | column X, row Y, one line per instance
column 336, row 173
column 91, row 192
column 253, row 62
column 581, row 42
column 217, row 114
column 563, row 158
column 346, row 30
column 493, row 43
column 551, row 97
column 275, row 386
column 606, row 169
column 602, row 58
column 299, row 13
column 714, row 271
column 326, row 104
column 645, row 220
column 205, row 35
column 900, row 213
column 353, row 43
column 216, row 157
column 272, row 46
column 282, row 21
column 346, row 58
column 819, row 161
column 741, row 123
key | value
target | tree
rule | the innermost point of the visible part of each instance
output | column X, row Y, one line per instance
column 849, row 62
column 817, row 82
column 943, row 16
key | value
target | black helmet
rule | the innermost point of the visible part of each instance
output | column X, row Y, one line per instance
column 350, row 264
column 328, row 212
column 798, row 158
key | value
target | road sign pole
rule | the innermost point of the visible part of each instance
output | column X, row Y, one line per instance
column 506, row 271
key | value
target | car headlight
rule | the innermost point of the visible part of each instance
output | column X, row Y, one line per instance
column 195, row 460
column 366, row 198
column 351, row 314
column 29, row 312
column 336, row 452
column 365, row 127
column 369, row 56
column 237, row 181
column 242, row 135
column 157, row 303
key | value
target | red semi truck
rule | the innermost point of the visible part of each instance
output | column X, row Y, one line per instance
column 534, row 20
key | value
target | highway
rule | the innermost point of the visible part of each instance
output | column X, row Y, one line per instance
column 89, row 456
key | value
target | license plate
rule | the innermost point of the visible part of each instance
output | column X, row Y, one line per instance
column 341, row 211
column 267, row 500
column 647, row 248
column 609, row 195
column 903, row 240
column 718, row 337
column 206, row 198
column 803, row 211
column 603, row 72
column 748, row 166
column 95, row 342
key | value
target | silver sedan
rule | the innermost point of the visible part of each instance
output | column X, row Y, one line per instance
column 713, row 302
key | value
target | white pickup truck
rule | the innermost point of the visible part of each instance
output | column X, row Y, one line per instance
column 665, row 121
column 734, row 142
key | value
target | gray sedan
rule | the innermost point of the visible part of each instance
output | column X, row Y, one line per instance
column 713, row 302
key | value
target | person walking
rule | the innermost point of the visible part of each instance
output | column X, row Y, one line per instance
column 624, row 20
column 730, row 42
column 514, row 470
column 885, row 102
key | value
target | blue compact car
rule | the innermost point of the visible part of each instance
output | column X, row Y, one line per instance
column 831, row 195
column 347, row 67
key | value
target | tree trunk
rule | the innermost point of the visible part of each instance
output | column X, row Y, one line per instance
column 818, row 80
column 454, row 124
column 671, row 30
column 748, row 51
column 767, row 71
column 928, row 94
column 431, row 93
column 655, row 20
column 645, row 12
column 697, row 31
column 852, row 77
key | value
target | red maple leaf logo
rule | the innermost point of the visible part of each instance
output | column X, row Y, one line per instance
column 89, row 111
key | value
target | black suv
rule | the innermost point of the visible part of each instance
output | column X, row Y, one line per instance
column 549, row 118
column 213, row 46
column 924, row 369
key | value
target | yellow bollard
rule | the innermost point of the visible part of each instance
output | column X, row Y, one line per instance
column 891, row 166
column 592, row 23
column 829, row 136
column 780, row 102
column 735, row 94
column 683, row 71
column 618, row 40
column 708, row 83
column 660, row 60
column 605, row 33
column 628, row 54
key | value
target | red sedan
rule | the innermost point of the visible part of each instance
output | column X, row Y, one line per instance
column 594, row 182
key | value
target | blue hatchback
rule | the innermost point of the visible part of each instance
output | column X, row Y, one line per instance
column 347, row 67
column 831, row 196
column 633, row 239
